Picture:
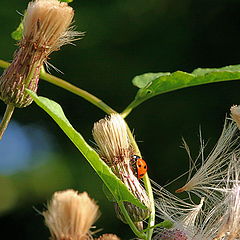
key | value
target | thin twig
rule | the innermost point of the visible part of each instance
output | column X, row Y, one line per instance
column 6, row 119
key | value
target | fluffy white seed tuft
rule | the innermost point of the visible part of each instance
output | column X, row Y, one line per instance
column 70, row 215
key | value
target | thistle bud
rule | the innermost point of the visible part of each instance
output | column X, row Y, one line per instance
column 115, row 149
column 45, row 29
column 70, row 215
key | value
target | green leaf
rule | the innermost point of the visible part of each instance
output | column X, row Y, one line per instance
column 17, row 34
column 142, row 81
column 152, row 84
column 165, row 224
column 108, row 194
column 114, row 184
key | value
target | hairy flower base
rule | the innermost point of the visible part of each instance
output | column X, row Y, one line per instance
column 124, row 172
column 23, row 73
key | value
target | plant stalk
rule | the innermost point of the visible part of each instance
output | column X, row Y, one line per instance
column 151, row 219
column 147, row 184
column 128, row 109
column 130, row 222
column 71, row 88
column 100, row 104
column 4, row 64
column 6, row 119
column 80, row 92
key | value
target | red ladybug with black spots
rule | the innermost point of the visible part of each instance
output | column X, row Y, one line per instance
column 139, row 166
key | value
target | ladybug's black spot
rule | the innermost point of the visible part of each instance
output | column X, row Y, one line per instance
column 141, row 175
column 139, row 165
column 145, row 167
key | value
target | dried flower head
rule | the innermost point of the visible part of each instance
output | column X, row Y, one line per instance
column 46, row 28
column 112, row 139
column 46, row 24
column 115, row 149
column 108, row 237
column 70, row 215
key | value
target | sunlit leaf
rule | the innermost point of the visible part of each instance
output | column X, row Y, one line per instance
column 142, row 81
column 152, row 84
column 115, row 186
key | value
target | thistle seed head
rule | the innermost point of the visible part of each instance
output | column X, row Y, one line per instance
column 114, row 147
column 112, row 140
column 70, row 215
column 46, row 24
column 45, row 29
column 108, row 237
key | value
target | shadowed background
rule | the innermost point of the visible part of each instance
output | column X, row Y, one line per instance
column 123, row 39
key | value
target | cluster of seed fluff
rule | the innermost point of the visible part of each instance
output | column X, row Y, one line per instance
column 46, row 27
column 70, row 216
column 114, row 147
column 217, row 184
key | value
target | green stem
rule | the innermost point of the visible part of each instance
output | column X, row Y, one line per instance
column 147, row 184
column 130, row 222
column 165, row 224
column 4, row 64
column 82, row 93
column 100, row 104
column 71, row 88
column 128, row 109
column 6, row 119
column 151, row 219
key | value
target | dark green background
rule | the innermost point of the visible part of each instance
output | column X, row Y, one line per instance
column 123, row 39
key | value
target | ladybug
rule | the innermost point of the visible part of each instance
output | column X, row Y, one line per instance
column 139, row 166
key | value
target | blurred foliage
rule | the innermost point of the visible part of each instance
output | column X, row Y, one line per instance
column 123, row 39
